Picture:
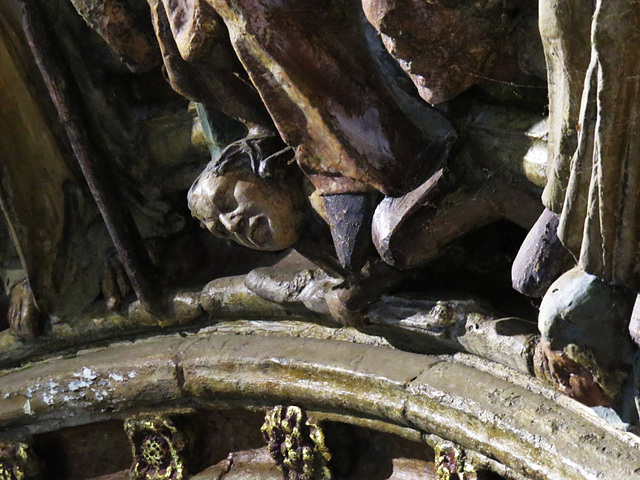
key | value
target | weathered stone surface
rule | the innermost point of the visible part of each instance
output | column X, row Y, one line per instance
column 229, row 297
column 495, row 411
column 541, row 259
column 586, row 348
column 579, row 308
column 330, row 98
column 124, row 29
column 293, row 280
column 109, row 380
column 461, row 324
column 446, row 47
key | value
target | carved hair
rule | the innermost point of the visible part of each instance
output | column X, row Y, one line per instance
column 252, row 155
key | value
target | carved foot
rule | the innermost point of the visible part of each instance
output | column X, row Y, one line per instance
column 585, row 349
column 349, row 304
column 115, row 284
column 24, row 317
column 541, row 259
column 338, row 301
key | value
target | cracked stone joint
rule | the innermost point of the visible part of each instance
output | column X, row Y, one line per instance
column 157, row 447
column 296, row 444
column 451, row 463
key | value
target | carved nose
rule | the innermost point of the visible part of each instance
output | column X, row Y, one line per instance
column 232, row 221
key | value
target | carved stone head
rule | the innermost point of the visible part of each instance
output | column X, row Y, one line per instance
column 248, row 201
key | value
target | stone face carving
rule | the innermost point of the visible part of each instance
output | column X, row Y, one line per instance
column 320, row 143
column 296, row 444
column 234, row 201
column 350, row 122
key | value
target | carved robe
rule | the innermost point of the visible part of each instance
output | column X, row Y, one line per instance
column 312, row 65
column 596, row 191
column 313, row 68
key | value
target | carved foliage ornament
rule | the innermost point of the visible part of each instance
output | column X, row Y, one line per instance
column 296, row 444
column 17, row 462
column 157, row 448
column 451, row 463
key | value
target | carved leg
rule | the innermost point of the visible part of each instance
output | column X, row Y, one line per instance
column 565, row 31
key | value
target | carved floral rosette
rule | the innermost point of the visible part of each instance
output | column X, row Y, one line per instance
column 157, row 447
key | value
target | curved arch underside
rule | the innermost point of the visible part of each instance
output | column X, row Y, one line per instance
column 507, row 418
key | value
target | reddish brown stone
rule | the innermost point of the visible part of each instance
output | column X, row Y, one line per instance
column 314, row 71
column 573, row 379
column 125, row 32
column 446, row 46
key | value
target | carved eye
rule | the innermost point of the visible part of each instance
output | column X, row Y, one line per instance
column 219, row 229
column 215, row 227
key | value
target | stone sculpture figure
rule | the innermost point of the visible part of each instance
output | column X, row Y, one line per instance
column 355, row 132
column 353, row 136
column 591, row 197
